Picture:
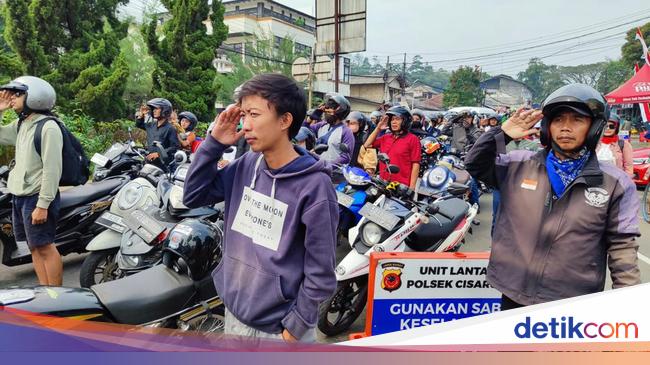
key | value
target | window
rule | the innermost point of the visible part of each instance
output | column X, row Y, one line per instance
column 237, row 8
column 277, row 41
column 238, row 47
column 346, row 70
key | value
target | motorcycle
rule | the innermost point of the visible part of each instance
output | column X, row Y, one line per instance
column 178, row 294
column 118, row 159
column 395, row 222
column 122, row 250
column 79, row 209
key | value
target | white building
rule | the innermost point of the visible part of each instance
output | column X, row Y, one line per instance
column 247, row 19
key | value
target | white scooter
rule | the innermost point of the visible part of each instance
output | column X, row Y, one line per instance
column 395, row 222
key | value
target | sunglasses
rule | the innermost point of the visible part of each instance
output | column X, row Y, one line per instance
column 611, row 126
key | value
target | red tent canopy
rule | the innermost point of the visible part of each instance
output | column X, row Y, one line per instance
column 635, row 90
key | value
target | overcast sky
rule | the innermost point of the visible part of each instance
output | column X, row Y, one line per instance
column 490, row 33
column 442, row 30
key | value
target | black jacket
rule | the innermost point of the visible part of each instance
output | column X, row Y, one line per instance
column 165, row 134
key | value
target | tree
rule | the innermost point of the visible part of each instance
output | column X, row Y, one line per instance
column 631, row 51
column 141, row 65
column 464, row 88
column 10, row 65
column 614, row 74
column 265, row 54
column 541, row 78
column 74, row 45
column 584, row 74
column 183, row 51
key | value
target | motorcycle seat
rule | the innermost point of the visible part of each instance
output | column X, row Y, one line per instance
column 426, row 236
column 146, row 296
column 91, row 191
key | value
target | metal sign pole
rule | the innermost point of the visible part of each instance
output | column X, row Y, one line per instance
column 337, row 5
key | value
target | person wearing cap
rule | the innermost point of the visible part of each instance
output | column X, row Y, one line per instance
column 615, row 150
column 564, row 217
column 34, row 179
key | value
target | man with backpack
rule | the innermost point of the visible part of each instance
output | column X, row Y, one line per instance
column 34, row 180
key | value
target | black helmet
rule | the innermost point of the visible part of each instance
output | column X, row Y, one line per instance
column 159, row 103
column 336, row 100
column 191, row 117
column 401, row 112
column 580, row 98
column 195, row 245
column 361, row 118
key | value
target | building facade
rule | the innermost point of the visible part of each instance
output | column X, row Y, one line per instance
column 503, row 90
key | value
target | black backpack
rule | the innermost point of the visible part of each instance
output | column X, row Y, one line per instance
column 76, row 169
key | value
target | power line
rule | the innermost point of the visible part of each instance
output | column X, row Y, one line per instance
column 255, row 56
column 506, row 45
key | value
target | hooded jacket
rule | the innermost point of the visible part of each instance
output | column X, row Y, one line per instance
column 547, row 248
column 279, row 236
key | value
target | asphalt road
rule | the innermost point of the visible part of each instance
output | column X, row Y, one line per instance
column 477, row 242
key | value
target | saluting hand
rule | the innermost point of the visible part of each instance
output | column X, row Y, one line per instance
column 521, row 123
column 225, row 128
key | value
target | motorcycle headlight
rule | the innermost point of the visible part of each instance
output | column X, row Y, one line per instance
column 372, row 234
column 437, row 177
column 129, row 196
column 356, row 176
column 126, row 262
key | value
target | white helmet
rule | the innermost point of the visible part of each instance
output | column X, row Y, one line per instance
column 40, row 95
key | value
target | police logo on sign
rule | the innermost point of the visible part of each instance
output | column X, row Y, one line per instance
column 392, row 276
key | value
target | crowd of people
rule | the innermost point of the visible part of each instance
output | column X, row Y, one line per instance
column 565, row 206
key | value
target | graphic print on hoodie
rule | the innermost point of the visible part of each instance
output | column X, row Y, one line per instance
column 279, row 236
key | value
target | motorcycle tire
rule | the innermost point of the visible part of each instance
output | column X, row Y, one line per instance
column 352, row 306
column 96, row 263
column 645, row 202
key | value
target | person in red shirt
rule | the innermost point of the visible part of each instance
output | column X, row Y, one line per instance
column 402, row 147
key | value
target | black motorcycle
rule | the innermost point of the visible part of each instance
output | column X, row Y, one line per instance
column 119, row 159
column 80, row 207
column 178, row 294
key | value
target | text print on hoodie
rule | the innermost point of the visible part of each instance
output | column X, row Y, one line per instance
column 279, row 237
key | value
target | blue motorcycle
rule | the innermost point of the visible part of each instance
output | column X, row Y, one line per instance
column 352, row 195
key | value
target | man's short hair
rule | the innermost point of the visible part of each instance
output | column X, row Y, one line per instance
column 282, row 93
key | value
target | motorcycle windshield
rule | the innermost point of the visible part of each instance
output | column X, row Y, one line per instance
column 114, row 151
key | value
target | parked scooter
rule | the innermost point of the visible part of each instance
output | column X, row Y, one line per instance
column 122, row 250
column 118, row 159
column 80, row 207
column 395, row 222
column 179, row 294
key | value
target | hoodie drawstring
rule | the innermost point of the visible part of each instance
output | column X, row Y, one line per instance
column 257, row 166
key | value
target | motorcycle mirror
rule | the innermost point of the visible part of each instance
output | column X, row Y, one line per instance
column 393, row 169
column 344, row 148
column 319, row 149
column 383, row 158
column 161, row 150
column 180, row 157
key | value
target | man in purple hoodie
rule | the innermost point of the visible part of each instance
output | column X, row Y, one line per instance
column 281, row 214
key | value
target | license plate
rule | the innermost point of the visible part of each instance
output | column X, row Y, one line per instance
column 111, row 221
column 344, row 199
column 143, row 225
column 380, row 216
column 99, row 160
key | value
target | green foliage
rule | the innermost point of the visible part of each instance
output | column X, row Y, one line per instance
column 464, row 88
column 264, row 55
column 75, row 45
column 183, row 53
column 541, row 78
column 141, row 65
column 613, row 75
column 416, row 70
column 631, row 51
